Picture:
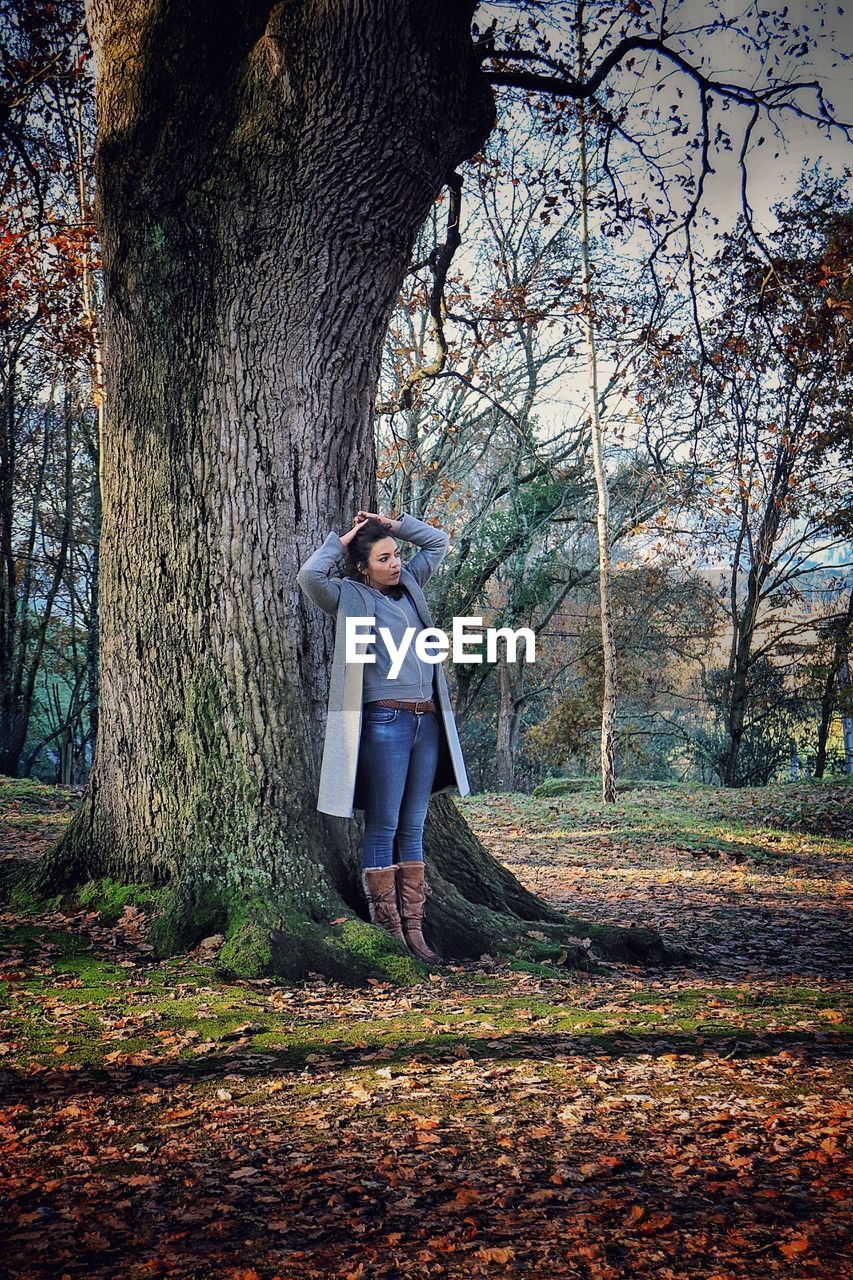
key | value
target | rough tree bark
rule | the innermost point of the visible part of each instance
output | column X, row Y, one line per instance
column 262, row 171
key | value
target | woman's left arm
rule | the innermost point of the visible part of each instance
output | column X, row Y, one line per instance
column 432, row 543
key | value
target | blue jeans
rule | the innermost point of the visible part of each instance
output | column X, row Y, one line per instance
column 398, row 754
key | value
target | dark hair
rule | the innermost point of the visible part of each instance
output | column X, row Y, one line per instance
column 358, row 551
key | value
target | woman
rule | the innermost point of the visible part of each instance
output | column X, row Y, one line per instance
column 390, row 742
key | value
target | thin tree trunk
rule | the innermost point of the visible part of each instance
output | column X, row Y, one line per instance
column 841, row 628
column 827, row 705
column 23, row 641
column 608, row 640
column 736, row 697
column 844, row 694
column 509, row 726
column 13, row 717
column 738, row 691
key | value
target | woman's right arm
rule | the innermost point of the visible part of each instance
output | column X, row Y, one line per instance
column 314, row 575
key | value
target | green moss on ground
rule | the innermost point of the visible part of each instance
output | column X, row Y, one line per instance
column 75, row 1006
column 109, row 897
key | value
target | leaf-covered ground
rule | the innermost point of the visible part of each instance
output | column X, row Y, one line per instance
column 499, row 1120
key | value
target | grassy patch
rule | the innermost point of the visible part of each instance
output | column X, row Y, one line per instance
column 75, row 1005
column 28, row 795
column 109, row 897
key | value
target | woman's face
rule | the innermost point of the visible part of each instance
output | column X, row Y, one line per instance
column 383, row 564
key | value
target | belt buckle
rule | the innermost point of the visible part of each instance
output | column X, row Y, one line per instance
column 415, row 707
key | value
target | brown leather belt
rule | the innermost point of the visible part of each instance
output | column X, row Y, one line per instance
column 418, row 705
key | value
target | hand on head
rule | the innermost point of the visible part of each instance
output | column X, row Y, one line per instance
column 361, row 516
column 348, row 537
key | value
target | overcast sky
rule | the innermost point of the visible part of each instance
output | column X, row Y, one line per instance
column 771, row 177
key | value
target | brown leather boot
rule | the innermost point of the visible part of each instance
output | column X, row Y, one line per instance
column 380, row 887
column 411, row 894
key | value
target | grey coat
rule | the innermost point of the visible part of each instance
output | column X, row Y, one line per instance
column 341, row 785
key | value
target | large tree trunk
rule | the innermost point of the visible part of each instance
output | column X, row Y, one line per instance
column 262, row 172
